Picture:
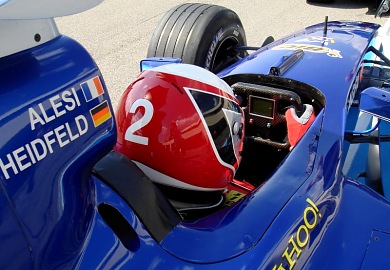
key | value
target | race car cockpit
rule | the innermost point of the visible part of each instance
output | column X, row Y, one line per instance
column 205, row 141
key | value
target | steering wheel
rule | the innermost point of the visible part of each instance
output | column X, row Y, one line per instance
column 383, row 8
column 264, row 107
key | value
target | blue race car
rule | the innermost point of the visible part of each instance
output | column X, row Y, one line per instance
column 216, row 158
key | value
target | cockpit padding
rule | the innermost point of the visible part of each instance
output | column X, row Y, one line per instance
column 147, row 201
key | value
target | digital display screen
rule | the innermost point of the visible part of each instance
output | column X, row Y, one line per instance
column 262, row 106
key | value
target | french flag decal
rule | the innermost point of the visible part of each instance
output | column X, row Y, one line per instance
column 92, row 88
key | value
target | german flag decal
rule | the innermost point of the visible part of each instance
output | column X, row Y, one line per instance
column 100, row 113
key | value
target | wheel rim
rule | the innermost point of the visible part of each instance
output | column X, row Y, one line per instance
column 225, row 55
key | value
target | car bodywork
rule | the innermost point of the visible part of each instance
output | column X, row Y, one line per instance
column 68, row 201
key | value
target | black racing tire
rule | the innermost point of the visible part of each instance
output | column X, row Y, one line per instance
column 200, row 34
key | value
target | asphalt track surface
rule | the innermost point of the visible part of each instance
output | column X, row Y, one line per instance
column 117, row 32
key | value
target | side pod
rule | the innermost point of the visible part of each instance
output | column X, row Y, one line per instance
column 376, row 101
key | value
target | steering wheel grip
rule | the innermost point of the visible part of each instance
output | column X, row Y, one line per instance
column 297, row 125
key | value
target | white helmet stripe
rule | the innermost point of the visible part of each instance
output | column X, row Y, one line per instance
column 192, row 72
column 164, row 179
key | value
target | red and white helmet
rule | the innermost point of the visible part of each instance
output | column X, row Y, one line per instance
column 183, row 126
